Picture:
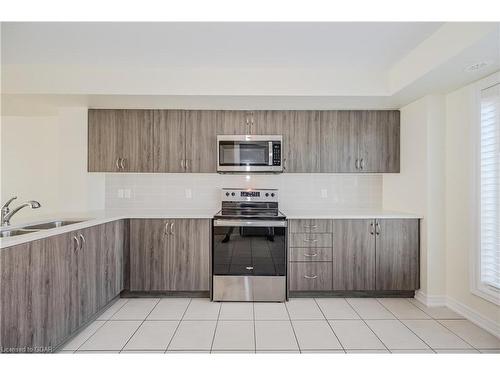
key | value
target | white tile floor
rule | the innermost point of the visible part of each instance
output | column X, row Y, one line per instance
column 302, row 325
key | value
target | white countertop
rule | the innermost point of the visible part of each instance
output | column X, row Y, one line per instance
column 348, row 214
column 92, row 218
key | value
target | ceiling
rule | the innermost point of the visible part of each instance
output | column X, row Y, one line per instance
column 372, row 46
column 247, row 65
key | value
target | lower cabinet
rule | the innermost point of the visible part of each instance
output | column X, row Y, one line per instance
column 365, row 255
column 49, row 288
column 169, row 255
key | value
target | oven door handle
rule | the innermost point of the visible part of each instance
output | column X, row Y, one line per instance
column 250, row 223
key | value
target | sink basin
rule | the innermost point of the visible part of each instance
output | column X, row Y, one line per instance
column 51, row 224
column 14, row 232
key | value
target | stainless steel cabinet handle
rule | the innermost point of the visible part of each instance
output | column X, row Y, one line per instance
column 371, row 227
column 357, row 163
column 377, row 225
column 311, row 255
column 172, row 227
column 76, row 244
column 117, row 163
column 165, row 232
column 362, row 164
column 182, row 164
column 122, row 163
column 310, row 277
column 187, row 163
column 310, row 240
column 82, row 243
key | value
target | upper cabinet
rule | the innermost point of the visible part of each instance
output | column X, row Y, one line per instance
column 120, row 140
column 301, row 142
column 177, row 141
column 360, row 141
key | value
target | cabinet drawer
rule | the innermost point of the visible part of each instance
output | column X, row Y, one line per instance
column 309, row 226
column 318, row 254
column 310, row 276
column 310, row 240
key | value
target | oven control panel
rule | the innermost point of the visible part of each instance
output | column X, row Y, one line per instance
column 250, row 195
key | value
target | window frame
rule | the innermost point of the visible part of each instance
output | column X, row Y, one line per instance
column 478, row 288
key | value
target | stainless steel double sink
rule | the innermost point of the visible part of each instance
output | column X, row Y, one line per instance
column 17, row 231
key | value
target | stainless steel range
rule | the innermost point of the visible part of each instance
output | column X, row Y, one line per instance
column 249, row 247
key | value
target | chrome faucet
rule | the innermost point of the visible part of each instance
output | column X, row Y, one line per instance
column 7, row 213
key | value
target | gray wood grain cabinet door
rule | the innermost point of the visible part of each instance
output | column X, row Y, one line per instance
column 35, row 294
column 397, row 262
column 110, row 262
column 234, row 122
column 169, row 141
column 104, row 141
column 302, row 142
column 269, row 122
column 353, row 255
column 120, row 140
column 90, row 242
column 339, row 141
column 149, row 243
column 189, row 255
column 379, row 142
column 201, row 141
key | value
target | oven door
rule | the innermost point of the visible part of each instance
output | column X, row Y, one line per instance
column 247, row 154
column 249, row 248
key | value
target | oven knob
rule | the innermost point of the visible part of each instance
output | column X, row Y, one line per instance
column 227, row 194
column 267, row 194
column 233, row 194
column 272, row 194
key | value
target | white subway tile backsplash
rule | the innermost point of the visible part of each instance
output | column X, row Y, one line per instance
column 192, row 191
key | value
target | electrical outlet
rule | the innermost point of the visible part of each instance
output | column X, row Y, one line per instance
column 324, row 193
column 188, row 193
column 127, row 193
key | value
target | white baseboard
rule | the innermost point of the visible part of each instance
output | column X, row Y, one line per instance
column 476, row 318
column 430, row 300
column 458, row 307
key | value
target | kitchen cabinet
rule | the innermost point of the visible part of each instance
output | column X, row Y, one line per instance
column 169, row 254
column 51, row 287
column 310, row 276
column 397, row 254
column 234, row 122
column 301, row 142
column 120, row 140
column 201, row 141
column 360, row 141
column 269, row 122
column 169, row 141
column 110, row 262
column 189, row 255
column 353, row 255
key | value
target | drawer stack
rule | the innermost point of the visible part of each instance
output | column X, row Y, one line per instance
column 310, row 255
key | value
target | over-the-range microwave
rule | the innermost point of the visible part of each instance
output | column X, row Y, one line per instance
column 249, row 153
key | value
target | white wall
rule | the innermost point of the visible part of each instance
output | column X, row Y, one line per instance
column 419, row 188
column 45, row 159
column 460, row 207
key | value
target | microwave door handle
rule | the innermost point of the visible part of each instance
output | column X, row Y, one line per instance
column 270, row 153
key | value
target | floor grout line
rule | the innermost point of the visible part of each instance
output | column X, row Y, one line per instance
column 178, row 324
column 293, row 328
column 254, row 329
column 456, row 334
column 140, row 325
column 102, row 325
column 329, row 325
column 216, row 325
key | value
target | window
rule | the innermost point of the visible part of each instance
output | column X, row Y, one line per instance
column 489, row 192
